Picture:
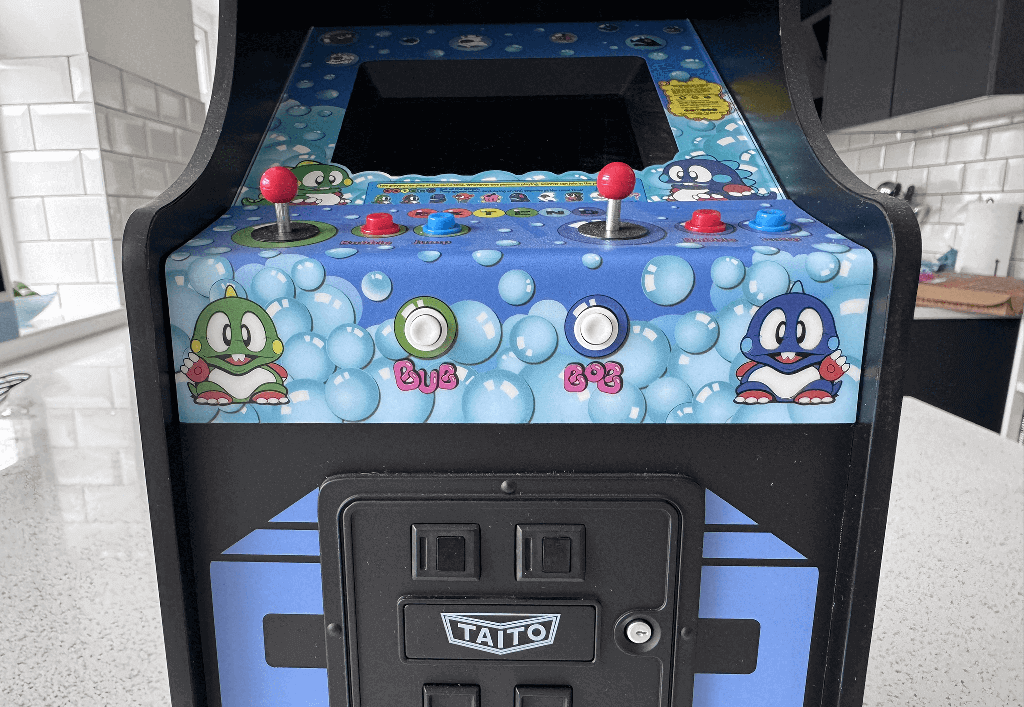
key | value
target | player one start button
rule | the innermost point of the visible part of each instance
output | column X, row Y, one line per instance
column 442, row 631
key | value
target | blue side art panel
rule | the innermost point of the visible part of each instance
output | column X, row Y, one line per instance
column 761, row 546
column 718, row 512
column 277, row 542
column 781, row 599
column 243, row 593
column 302, row 511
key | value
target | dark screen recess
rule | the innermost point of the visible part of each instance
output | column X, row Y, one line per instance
column 519, row 115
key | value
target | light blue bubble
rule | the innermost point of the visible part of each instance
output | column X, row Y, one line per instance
column 832, row 247
column 180, row 255
column 553, row 404
column 765, row 249
column 506, row 328
column 505, row 243
column 555, row 312
column 397, row 405
column 665, row 394
column 697, row 370
column 297, row 110
column 329, row 307
column 269, row 253
column 513, row 48
column 340, row 253
column 313, row 135
column 667, row 280
column 349, row 290
column 428, row 256
column 487, row 258
column 727, row 272
column 183, row 303
column 376, row 286
column 687, row 244
column 196, row 242
column 680, row 75
column 849, row 307
column 327, row 94
column 479, row 332
column 243, row 414
column 508, row 361
column 667, row 323
column 304, row 84
column 721, row 298
column 219, row 289
column 350, row 346
column 533, row 339
column 270, row 284
column 220, row 250
column 733, row 320
column 387, row 343
column 305, row 356
column 180, row 347
column 308, row 273
column 692, row 64
column 696, row 332
column 822, row 267
column 765, row 280
column 645, row 355
column 682, row 414
column 516, row 287
column 352, row 394
column 306, row 403
column 435, row 53
column 714, row 402
column 628, row 405
column 224, row 227
column 658, row 55
column 702, row 126
column 855, row 268
column 290, row 317
column 205, row 271
column 592, row 260
column 497, row 396
column 285, row 262
column 448, row 403
column 188, row 410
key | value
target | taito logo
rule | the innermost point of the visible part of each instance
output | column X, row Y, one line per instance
column 500, row 634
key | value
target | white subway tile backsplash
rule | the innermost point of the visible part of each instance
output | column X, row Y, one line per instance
column 39, row 80
column 106, row 84
column 990, row 122
column 161, row 142
column 946, row 179
column 916, row 178
column 81, row 84
column 87, row 300
column 873, row 179
column 967, row 147
column 1014, row 180
column 173, row 170
column 1009, row 197
column 884, row 138
column 870, row 159
column 1006, row 142
column 77, row 217
column 196, row 112
column 187, row 141
column 899, row 155
column 29, row 219
column 57, row 262
column 949, row 130
column 116, row 217
column 954, row 207
column 106, row 270
column 118, row 174
column 150, row 178
column 44, row 173
column 938, row 237
column 127, row 133
column 984, row 176
column 931, row 151
column 840, row 141
column 139, row 96
column 849, row 159
column 15, row 129
column 171, row 106
column 64, row 126
column 103, row 128
column 858, row 140
column 92, row 170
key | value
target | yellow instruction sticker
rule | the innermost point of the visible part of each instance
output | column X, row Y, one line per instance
column 695, row 99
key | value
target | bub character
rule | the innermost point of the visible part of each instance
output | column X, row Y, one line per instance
column 706, row 178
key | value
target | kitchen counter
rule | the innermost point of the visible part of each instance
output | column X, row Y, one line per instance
column 949, row 624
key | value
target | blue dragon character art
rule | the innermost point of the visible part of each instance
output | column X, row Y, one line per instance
column 794, row 353
column 706, row 178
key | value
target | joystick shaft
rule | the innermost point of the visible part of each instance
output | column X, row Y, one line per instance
column 284, row 221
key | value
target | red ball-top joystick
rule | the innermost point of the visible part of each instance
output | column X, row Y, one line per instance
column 615, row 182
column 279, row 186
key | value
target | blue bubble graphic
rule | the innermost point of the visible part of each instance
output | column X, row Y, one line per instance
column 667, row 280
column 665, row 394
column 822, row 267
column 679, row 76
column 448, row 403
column 733, row 320
column 487, row 258
column 349, row 290
column 832, row 247
column 313, row 135
column 376, row 286
column 696, row 332
column 645, row 355
column 397, row 405
column 270, row 284
column 243, row 414
column 205, row 271
column 290, row 317
column 269, row 253
column 765, row 249
column 849, row 306
column 429, row 256
column 188, row 410
column 533, row 339
column 552, row 402
column 184, row 303
column 497, row 396
column 592, row 260
column 628, row 405
column 505, row 243
column 219, row 289
column 352, row 394
column 479, row 332
column 855, row 268
column 306, row 403
column 387, row 342
column 350, row 346
column 697, row 370
column 327, row 94
column 682, row 414
column 714, row 402
column 508, row 361
column 727, row 272
column 304, row 84
column 308, row 273
column 297, row 110
column 329, row 307
column 219, row 250
column 341, row 253
column 516, row 287
column 305, row 356
column 180, row 255
column 765, row 280
column 196, row 242
column 180, row 347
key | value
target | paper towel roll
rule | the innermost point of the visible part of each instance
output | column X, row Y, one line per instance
column 988, row 238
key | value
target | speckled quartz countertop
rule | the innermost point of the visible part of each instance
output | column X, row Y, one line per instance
column 949, row 622
column 80, row 613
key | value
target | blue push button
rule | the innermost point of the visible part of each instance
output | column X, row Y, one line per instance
column 769, row 221
column 441, row 223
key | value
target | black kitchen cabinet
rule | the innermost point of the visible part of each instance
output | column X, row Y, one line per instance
column 893, row 57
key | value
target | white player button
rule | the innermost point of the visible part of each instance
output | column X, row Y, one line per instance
column 596, row 328
column 426, row 329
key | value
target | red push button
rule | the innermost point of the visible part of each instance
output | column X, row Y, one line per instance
column 380, row 225
column 705, row 221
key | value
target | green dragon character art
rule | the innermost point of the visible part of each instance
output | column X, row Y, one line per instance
column 234, row 347
column 319, row 185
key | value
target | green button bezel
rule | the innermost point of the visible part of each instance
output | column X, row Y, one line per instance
column 446, row 312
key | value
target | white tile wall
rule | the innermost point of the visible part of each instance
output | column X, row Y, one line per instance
column 44, row 173
column 15, row 129
column 85, row 300
column 52, row 261
column 64, row 126
column 139, row 96
column 106, row 84
column 29, row 219
column 949, row 167
column 40, row 80
column 118, row 174
column 77, row 217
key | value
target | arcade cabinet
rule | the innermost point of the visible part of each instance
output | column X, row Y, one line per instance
column 540, row 364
